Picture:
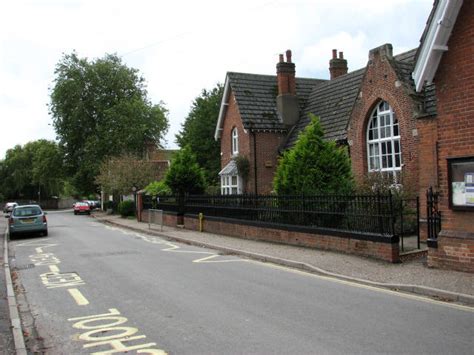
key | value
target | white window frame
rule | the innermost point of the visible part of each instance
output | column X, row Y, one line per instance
column 231, row 185
column 384, row 150
column 235, row 141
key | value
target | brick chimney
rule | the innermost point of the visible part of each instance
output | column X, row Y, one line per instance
column 287, row 101
column 337, row 66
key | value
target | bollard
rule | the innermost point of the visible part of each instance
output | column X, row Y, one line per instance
column 201, row 219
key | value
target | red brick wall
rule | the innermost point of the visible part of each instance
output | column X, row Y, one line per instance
column 427, row 164
column 455, row 93
column 380, row 82
column 232, row 119
column 169, row 219
column 267, row 149
column 455, row 251
column 267, row 161
column 382, row 251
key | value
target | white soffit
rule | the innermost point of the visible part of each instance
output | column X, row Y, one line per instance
column 223, row 109
column 435, row 42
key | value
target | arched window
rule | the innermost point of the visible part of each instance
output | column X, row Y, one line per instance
column 235, row 141
column 384, row 151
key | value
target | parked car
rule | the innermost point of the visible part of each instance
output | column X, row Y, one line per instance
column 27, row 219
column 82, row 207
column 9, row 206
column 93, row 204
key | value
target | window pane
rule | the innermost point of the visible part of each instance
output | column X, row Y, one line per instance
column 376, row 133
column 384, row 162
column 384, row 148
column 397, row 161
column 234, row 191
column 389, row 161
column 395, row 130
column 234, row 180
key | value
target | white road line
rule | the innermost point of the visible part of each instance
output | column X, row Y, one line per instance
column 207, row 259
column 53, row 268
column 78, row 297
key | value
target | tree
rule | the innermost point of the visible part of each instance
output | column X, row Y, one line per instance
column 185, row 175
column 121, row 174
column 156, row 188
column 314, row 166
column 100, row 109
column 198, row 132
column 36, row 167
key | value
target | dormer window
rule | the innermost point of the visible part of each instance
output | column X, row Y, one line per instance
column 383, row 140
column 235, row 141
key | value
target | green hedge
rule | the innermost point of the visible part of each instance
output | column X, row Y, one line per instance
column 126, row 208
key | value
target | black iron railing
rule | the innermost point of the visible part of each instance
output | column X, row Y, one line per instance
column 355, row 213
column 433, row 216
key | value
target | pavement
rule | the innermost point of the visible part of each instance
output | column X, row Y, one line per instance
column 7, row 345
column 411, row 276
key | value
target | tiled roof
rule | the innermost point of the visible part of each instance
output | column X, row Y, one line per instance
column 256, row 98
column 403, row 65
column 333, row 100
column 229, row 169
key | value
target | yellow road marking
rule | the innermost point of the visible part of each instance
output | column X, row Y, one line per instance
column 368, row 287
column 53, row 268
column 78, row 297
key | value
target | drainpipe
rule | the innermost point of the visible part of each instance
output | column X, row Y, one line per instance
column 255, row 161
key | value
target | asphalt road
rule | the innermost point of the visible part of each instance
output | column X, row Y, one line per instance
column 94, row 288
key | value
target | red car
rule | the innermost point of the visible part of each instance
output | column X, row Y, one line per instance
column 82, row 207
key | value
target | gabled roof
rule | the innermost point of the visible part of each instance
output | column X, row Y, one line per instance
column 434, row 40
column 256, row 99
column 333, row 100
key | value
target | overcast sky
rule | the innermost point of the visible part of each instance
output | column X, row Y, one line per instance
column 181, row 47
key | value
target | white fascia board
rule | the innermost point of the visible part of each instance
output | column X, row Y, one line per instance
column 435, row 42
column 223, row 109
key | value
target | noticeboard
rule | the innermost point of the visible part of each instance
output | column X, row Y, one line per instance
column 461, row 183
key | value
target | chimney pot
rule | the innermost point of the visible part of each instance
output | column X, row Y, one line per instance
column 288, row 56
column 337, row 66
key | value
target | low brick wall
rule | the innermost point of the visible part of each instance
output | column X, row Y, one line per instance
column 455, row 251
column 169, row 218
column 383, row 248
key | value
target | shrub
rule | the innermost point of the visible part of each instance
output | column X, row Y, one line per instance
column 126, row 208
column 185, row 175
column 314, row 166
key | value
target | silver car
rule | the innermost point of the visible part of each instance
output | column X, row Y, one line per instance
column 9, row 206
column 27, row 219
